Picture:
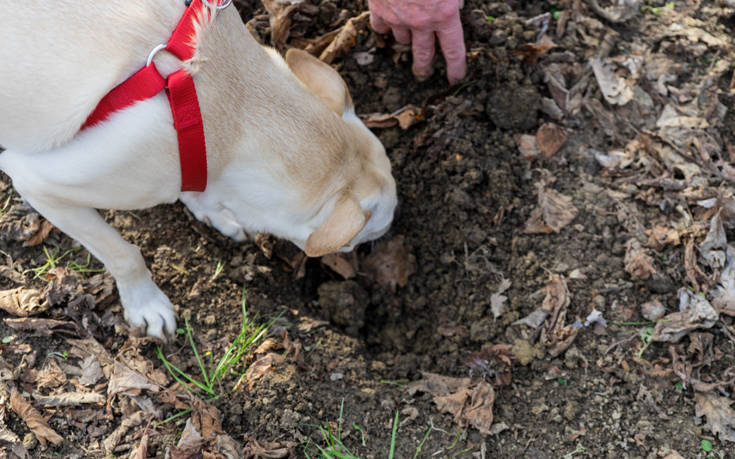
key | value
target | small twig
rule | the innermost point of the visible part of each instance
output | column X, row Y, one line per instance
column 622, row 341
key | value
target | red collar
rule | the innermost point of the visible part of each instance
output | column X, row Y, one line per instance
column 182, row 96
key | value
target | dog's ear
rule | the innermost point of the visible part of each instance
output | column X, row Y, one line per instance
column 321, row 79
column 346, row 220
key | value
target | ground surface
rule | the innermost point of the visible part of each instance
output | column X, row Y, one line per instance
column 583, row 166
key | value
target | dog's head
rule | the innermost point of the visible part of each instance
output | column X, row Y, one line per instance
column 349, row 194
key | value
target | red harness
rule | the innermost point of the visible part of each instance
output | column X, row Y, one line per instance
column 182, row 96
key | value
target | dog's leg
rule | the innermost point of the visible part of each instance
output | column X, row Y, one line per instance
column 146, row 307
column 128, row 163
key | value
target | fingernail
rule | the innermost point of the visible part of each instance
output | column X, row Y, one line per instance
column 422, row 75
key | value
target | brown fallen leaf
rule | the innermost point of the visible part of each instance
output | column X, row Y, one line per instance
column 723, row 294
column 555, row 336
column 280, row 19
column 391, row 263
column 91, row 371
column 268, row 451
column 125, row 380
column 128, row 422
column 344, row 264
column 615, row 89
column 695, row 313
column 70, row 398
column 550, row 138
column 720, row 415
column 190, row 439
column 141, row 451
column 33, row 419
column 83, row 348
column 405, row 117
column 637, row 262
column 20, row 223
column 468, row 402
column 258, row 368
column 23, row 302
column 528, row 146
column 206, row 419
column 529, row 52
column 557, row 294
column 50, row 376
column 345, row 38
column 44, row 230
column 554, row 212
column 43, row 327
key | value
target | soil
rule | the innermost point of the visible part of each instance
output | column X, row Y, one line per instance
column 353, row 347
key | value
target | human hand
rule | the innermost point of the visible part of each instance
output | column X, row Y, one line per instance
column 416, row 22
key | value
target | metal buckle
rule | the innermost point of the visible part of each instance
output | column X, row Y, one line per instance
column 155, row 51
column 217, row 6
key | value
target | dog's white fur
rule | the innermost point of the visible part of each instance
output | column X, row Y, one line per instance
column 286, row 153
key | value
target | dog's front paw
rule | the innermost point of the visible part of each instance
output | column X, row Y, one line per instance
column 147, row 308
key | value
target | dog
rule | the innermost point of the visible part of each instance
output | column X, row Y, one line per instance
column 285, row 152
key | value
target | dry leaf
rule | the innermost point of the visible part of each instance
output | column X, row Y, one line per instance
column 530, row 52
column 497, row 299
column 714, row 245
column 43, row 327
column 23, row 302
column 43, row 231
column 141, row 451
column 637, row 262
column 616, row 90
column 128, row 381
column 50, row 376
column 720, row 416
column 83, row 348
column 33, row 419
column 467, row 402
column 723, row 294
column 534, row 319
column 190, row 439
column 391, row 263
column 280, row 19
column 206, row 419
column 557, row 294
column 554, row 212
column 70, row 398
column 550, row 138
column 528, row 146
column 91, row 371
column 345, row 38
column 258, row 368
column 695, row 313
column 405, row 117
column 128, row 422
column 344, row 264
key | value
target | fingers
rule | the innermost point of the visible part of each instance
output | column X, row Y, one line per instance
column 402, row 34
column 378, row 24
column 451, row 39
column 423, row 53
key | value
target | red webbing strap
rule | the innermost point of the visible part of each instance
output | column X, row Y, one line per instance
column 181, row 44
column 142, row 85
column 182, row 96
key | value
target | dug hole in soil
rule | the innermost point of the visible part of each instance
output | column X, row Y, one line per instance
column 558, row 281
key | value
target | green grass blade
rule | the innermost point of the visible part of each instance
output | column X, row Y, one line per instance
column 393, row 437
column 421, row 445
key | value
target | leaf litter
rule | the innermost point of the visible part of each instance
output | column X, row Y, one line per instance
column 679, row 160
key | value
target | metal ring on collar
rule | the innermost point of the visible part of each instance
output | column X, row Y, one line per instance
column 155, row 51
column 217, row 6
